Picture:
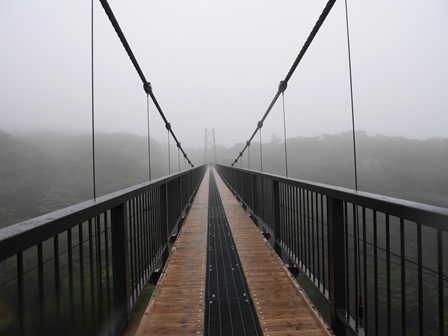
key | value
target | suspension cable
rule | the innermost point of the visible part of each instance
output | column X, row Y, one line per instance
column 283, row 84
column 146, row 85
column 93, row 104
column 351, row 95
column 284, row 131
column 149, row 137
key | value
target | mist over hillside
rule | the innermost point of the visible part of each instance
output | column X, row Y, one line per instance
column 45, row 171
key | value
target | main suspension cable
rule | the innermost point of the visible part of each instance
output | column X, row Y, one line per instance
column 351, row 95
column 284, row 83
column 146, row 85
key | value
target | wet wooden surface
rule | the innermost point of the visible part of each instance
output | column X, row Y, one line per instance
column 177, row 306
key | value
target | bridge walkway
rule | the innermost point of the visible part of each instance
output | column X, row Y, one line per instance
column 178, row 303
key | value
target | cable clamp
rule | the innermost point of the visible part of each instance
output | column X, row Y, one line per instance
column 178, row 145
column 168, row 126
column 147, row 87
column 247, row 143
column 260, row 124
column 282, row 86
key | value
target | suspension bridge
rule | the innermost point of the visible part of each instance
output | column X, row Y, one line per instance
column 226, row 247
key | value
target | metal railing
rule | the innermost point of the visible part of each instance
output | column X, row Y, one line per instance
column 80, row 270
column 379, row 263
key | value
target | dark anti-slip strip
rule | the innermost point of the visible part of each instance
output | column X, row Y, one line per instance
column 229, row 309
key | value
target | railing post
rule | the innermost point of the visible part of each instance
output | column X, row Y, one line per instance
column 336, row 260
column 276, row 213
column 120, row 268
column 254, row 199
column 164, row 222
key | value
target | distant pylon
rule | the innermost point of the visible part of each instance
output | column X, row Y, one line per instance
column 210, row 143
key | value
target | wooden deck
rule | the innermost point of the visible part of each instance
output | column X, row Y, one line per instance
column 177, row 306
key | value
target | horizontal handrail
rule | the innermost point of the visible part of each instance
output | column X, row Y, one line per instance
column 429, row 215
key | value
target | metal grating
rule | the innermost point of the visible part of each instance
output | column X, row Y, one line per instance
column 229, row 309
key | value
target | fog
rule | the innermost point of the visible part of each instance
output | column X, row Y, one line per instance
column 218, row 64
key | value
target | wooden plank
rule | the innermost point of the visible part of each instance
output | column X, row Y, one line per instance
column 283, row 309
column 177, row 305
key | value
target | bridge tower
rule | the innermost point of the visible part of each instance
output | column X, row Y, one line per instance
column 209, row 142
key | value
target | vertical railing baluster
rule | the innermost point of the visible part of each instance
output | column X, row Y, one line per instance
column 296, row 224
column 347, row 260
column 164, row 221
column 145, row 235
column 106, row 247
column 57, row 282
column 388, row 282
column 318, row 208
column 336, row 263
column 99, row 268
column 420, row 278
column 131, row 228
column 375, row 270
column 440, row 282
column 92, row 276
column 70, row 274
column 324, row 256
column 302, row 228
column 81, row 276
column 365, row 299
column 355, row 261
column 403, row 277
column 120, row 268
column 21, row 293
column 276, row 213
column 40, row 271
column 312, row 261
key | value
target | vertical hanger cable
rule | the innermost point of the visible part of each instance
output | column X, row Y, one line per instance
column 261, row 154
column 351, row 95
column 284, row 131
column 93, row 104
column 149, row 136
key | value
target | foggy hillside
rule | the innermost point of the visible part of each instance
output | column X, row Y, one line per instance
column 46, row 171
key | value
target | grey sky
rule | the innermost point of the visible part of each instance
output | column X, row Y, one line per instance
column 217, row 64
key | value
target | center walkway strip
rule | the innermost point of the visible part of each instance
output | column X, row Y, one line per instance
column 229, row 309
